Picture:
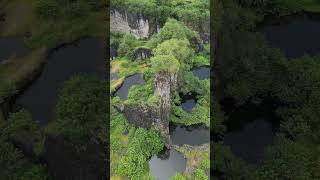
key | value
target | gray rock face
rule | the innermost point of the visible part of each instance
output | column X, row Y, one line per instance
column 140, row 116
column 113, row 51
column 126, row 22
column 197, row 44
column 165, row 85
column 142, row 53
column 146, row 116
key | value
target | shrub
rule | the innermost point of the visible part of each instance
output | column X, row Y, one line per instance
column 81, row 108
column 47, row 8
column 165, row 63
column 127, row 45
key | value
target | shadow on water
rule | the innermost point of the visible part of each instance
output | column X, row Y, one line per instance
column 295, row 35
column 167, row 164
column 122, row 92
column 82, row 56
column 12, row 47
column 188, row 101
column 250, row 129
column 202, row 72
column 191, row 135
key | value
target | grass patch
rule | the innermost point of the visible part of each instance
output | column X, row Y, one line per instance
column 21, row 19
column 311, row 6
column 198, row 158
column 18, row 17
column 125, row 68
column 18, row 70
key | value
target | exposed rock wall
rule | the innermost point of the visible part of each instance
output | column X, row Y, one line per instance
column 113, row 51
column 165, row 85
column 126, row 22
column 142, row 115
column 142, row 53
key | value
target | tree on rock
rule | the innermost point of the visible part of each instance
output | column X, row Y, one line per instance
column 165, row 63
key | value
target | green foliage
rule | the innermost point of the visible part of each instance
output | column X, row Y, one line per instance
column 180, row 49
column 118, row 125
column 53, row 9
column 199, row 61
column 195, row 13
column 127, row 45
column 172, row 29
column 227, row 164
column 218, row 117
column 287, row 160
column 142, row 95
column 133, row 165
column 193, row 84
column 178, row 176
column 188, row 11
column 165, row 63
column 81, row 108
column 283, row 7
column 250, row 70
column 47, row 8
column 15, row 167
column 144, row 141
column 21, row 121
column 273, row 7
column 11, row 160
column 142, row 144
column 35, row 173
column 200, row 174
column 76, row 10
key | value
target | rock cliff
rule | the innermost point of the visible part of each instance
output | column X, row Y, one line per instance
column 165, row 85
column 147, row 116
column 126, row 22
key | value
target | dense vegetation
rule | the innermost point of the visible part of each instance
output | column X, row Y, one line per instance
column 81, row 119
column 45, row 24
column 191, row 12
column 247, row 70
column 81, row 114
column 173, row 51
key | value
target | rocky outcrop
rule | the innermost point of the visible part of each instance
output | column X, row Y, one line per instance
column 146, row 116
column 114, row 50
column 142, row 53
column 165, row 85
column 126, row 22
column 193, row 161
column 140, row 115
column 197, row 44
